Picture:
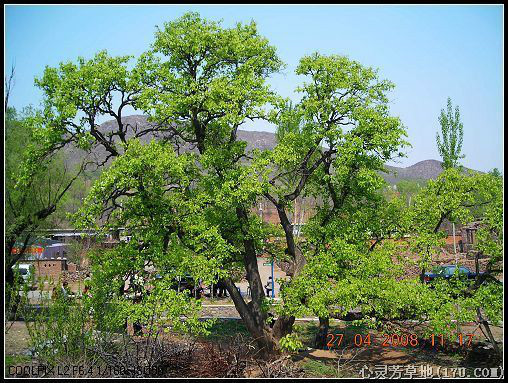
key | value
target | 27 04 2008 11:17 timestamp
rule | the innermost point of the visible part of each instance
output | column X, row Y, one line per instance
column 394, row 340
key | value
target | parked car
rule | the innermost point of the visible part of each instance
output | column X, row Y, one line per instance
column 449, row 271
column 185, row 283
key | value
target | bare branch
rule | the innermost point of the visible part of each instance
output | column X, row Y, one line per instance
column 9, row 83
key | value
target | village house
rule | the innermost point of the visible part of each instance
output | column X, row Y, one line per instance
column 468, row 236
column 465, row 236
column 87, row 237
column 47, row 256
column 48, row 253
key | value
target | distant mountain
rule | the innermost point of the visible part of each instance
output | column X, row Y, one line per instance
column 423, row 170
column 257, row 140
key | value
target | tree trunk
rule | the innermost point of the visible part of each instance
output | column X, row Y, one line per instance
column 9, row 276
column 483, row 321
column 283, row 326
column 298, row 259
column 253, row 314
column 251, row 268
column 259, row 330
column 320, row 340
column 267, row 337
column 485, row 324
column 422, row 275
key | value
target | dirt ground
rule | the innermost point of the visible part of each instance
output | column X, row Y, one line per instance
column 348, row 360
column 17, row 338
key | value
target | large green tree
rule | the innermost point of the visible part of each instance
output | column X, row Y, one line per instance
column 190, row 211
column 187, row 197
column 198, row 83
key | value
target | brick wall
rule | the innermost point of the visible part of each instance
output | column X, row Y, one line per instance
column 51, row 268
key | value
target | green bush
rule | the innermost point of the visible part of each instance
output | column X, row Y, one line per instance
column 290, row 343
column 60, row 329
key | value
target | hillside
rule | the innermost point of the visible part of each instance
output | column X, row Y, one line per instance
column 424, row 170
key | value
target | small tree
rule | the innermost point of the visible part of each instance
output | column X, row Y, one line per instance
column 450, row 144
column 496, row 173
column 36, row 182
column 457, row 196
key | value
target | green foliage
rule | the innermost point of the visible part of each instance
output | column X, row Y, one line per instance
column 180, row 209
column 460, row 198
column 344, row 108
column 490, row 234
column 450, row 142
column 344, row 272
column 36, row 181
column 409, row 188
column 25, row 199
column 290, row 343
column 59, row 328
column 75, row 88
column 189, row 214
column 76, row 328
column 457, row 197
column 489, row 298
column 16, row 296
column 75, row 251
column 211, row 76
column 495, row 172
column 154, row 306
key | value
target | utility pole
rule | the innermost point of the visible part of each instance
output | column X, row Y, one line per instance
column 273, row 282
column 271, row 263
column 300, row 221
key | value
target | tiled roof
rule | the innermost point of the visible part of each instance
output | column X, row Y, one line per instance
column 42, row 242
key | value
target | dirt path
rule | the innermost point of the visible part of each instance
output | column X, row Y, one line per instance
column 348, row 360
column 17, row 338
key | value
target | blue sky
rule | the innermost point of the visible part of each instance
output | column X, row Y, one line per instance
column 429, row 52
